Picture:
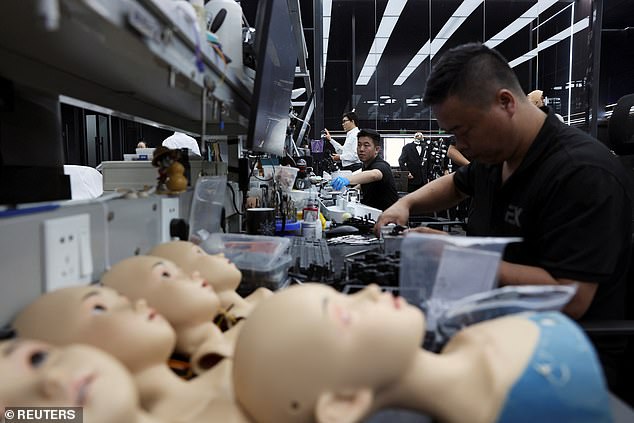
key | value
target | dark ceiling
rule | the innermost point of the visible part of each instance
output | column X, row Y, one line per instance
column 354, row 24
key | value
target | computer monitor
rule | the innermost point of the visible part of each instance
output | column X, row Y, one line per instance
column 276, row 58
column 32, row 153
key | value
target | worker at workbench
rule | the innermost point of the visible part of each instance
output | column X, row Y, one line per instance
column 378, row 188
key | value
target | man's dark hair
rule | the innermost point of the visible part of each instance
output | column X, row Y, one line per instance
column 472, row 72
column 352, row 116
column 372, row 134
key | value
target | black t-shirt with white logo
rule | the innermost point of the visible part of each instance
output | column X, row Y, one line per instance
column 569, row 201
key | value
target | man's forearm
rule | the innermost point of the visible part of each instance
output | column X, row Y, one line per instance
column 365, row 177
column 439, row 194
column 336, row 145
column 519, row 274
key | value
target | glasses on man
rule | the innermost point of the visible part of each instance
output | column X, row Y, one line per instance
column 344, row 121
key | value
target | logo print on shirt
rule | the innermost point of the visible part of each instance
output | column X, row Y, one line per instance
column 512, row 216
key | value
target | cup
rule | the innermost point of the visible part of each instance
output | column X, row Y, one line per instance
column 261, row 221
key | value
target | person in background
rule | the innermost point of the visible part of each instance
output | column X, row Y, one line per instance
column 141, row 144
column 378, row 188
column 533, row 177
column 458, row 159
column 179, row 140
column 347, row 154
column 412, row 160
column 537, row 98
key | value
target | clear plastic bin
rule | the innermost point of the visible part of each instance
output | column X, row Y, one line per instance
column 263, row 260
column 437, row 270
column 285, row 177
column 206, row 208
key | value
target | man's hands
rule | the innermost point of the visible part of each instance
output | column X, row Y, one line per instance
column 409, row 175
column 339, row 182
column 327, row 136
column 398, row 213
column 336, row 157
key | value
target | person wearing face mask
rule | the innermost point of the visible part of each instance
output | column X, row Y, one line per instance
column 347, row 154
column 378, row 188
column 311, row 354
column 413, row 160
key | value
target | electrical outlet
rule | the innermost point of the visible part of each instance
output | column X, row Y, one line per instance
column 169, row 211
column 67, row 251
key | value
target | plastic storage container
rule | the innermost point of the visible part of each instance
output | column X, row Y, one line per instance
column 285, row 177
column 206, row 208
column 437, row 270
column 263, row 260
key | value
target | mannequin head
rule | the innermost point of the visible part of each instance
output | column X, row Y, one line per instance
column 36, row 374
column 216, row 269
column 188, row 303
column 99, row 316
column 536, row 97
column 180, row 298
column 310, row 351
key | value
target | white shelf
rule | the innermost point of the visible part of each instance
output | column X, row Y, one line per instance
column 131, row 56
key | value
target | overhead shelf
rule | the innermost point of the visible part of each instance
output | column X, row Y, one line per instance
column 135, row 57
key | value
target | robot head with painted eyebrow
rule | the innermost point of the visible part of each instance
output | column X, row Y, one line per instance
column 311, row 354
column 187, row 301
column 37, row 374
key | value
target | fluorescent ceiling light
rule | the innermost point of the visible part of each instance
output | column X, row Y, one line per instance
column 453, row 23
column 431, row 47
column 386, row 26
column 579, row 26
column 526, row 18
column 326, row 15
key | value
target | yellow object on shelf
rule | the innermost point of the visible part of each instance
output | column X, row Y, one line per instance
column 322, row 219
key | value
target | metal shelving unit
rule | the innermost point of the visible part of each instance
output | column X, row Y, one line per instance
column 137, row 57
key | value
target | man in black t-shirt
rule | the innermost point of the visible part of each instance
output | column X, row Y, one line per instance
column 378, row 188
column 531, row 176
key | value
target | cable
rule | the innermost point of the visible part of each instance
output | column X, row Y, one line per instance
column 233, row 195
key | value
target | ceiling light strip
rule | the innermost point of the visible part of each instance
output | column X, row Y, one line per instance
column 524, row 20
column 432, row 47
column 568, row 32
column 386, row 26
column 572, row 20
column 326, row 18
column 453, row 23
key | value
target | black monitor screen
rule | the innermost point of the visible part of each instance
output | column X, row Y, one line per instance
column 276, row 59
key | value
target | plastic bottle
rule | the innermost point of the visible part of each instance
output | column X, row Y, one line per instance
column 311, row 210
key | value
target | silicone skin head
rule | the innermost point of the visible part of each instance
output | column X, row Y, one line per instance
column 99, row 316
column 180, row 298
column 36, row 374
column 214, row 268
column 306, row 347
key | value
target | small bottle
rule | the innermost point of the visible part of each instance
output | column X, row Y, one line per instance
column 311, row 211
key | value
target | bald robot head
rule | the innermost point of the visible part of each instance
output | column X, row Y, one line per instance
column 536, row 97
